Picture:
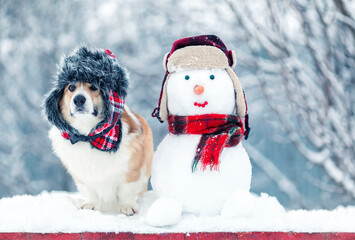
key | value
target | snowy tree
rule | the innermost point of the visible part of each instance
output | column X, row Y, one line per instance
column 303, row 56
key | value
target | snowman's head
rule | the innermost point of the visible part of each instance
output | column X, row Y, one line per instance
column 201, row 91
column 200, row 80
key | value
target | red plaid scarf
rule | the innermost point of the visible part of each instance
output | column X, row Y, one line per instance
column 106, row 136
column 218, row 131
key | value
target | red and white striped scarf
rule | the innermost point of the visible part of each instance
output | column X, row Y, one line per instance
column 218, row 131
column 105, row 137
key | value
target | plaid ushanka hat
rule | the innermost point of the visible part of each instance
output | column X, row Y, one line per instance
column 201, row 52
column 100, row 68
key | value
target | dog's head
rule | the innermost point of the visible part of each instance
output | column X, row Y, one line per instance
column 80, row 98
column 82, row 106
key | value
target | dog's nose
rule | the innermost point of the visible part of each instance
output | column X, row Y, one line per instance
column 79, row 100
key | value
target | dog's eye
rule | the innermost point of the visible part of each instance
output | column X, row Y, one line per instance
column 72, row 88
column 93, row 88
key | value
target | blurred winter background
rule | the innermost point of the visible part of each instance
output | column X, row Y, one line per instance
column 296, row 61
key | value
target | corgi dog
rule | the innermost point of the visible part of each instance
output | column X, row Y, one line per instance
column 105, row 147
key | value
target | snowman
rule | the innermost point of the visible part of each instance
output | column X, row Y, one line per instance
column 201, row 163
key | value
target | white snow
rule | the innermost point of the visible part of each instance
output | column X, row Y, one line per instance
column 58, row 212
column 164, row 212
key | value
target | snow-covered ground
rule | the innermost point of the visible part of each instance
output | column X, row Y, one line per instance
column 58, row 212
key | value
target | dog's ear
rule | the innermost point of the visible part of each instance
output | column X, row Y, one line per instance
column 52, row 111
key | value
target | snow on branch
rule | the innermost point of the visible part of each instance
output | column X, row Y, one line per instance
column 304, row 53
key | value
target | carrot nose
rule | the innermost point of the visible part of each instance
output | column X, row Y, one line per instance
column 198, row 89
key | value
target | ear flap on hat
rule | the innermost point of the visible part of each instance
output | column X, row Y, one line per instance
column 163, row 112
column 240, row 99
column 234, row 58
column 52, row 110
column 165, row 64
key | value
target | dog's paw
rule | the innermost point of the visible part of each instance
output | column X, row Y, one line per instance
column 88, row 205
column 128, row 209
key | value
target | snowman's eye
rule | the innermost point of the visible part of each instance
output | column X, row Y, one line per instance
column 212, row 77
column 187, row 77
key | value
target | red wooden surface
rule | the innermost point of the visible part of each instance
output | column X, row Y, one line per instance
column 182, row 236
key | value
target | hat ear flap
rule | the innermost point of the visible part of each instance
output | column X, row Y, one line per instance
column 164, row 112
column 234, row 58
column 165, row 61
column 240, row 98
column 52, row 111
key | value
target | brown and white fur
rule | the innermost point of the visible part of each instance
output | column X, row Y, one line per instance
column 110, row 182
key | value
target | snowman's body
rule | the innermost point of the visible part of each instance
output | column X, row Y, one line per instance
column 197, row 92
column 199, row 192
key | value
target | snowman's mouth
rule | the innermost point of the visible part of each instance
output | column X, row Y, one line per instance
column 201, row 104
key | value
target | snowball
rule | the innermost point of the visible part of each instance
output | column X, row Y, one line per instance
column 269, row 206
column 164, row 212
column 246, row 204
column 241, row 204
